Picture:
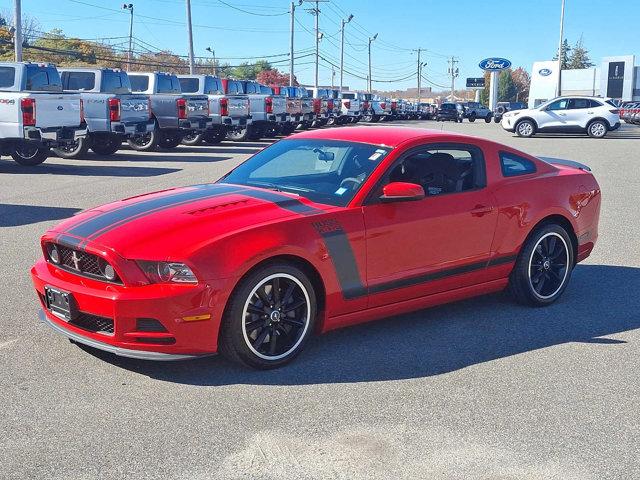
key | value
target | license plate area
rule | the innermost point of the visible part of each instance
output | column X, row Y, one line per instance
column 60, row 303
column 141, row 128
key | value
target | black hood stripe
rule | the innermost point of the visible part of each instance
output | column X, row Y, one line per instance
column 283, row 201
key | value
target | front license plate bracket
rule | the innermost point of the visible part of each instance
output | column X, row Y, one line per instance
column 60, row 303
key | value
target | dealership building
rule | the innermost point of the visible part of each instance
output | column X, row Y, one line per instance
column 616, row 77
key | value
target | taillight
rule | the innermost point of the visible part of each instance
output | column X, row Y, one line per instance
column 394, row 105
column 268, row 105
column 316, row 105
column 347, row 104
column 28, row 107
column 224, row 107
column 81, row 111
column 114, row 109
column 365, row 105
column 383, row 105
column 330, row 105
column 615, row 111
column 181, row 103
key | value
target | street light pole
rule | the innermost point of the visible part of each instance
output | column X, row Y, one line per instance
column 293, row 18
column 17, row 34
column 129, row 7
column 560, row 52
column 344, row 22
column 213, row 54
column 371, row 39
column 190, row 32
column 419, row 74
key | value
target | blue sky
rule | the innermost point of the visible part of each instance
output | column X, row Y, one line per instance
column 520, row 30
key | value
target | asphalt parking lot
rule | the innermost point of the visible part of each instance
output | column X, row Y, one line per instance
column 483, row 389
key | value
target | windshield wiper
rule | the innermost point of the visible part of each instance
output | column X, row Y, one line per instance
column 267, row 185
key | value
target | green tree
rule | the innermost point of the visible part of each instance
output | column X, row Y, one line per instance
column 249, row 71
column 565, row 54
column 484, row 93
column 579, row 57
column 506, row 87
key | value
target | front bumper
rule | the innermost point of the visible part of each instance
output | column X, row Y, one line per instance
column 131, row 129
column 54, row 136
column 508, row 123
column 190, row 315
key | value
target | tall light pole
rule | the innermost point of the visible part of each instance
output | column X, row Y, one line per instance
column 560, row 52
column 129, row 6
column 344, row 22
column 419, row 72
column 213, row 54
column 454, row 72
column 317, row 18
column 190, row 33
column 293, row 19
column 17, row 34
column 371, row 39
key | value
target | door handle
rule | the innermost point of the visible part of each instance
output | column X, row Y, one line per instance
column 481, row 210
column 562, row 114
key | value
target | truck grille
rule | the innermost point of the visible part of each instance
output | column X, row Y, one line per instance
column 93, row 323
column 82, row 263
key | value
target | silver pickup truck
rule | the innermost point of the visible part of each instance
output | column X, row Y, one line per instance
column 322, row 105
column 373, row 107
column 350, row 109
column 111, row 111
column 228, row 112
column 267, row 111
column 173, row 113
column 35, row 114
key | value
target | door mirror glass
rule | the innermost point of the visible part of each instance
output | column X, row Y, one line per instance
column 401, row 192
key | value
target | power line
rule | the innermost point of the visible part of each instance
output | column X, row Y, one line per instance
column 253, row 13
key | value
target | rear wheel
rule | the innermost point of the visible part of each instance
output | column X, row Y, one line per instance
column 192, row 138
column 525, row 128
column 487, row 119
column 169, row 140
column 472, row 117
column 213, row 137
column 269, row 318
column 106, row 145
column 29, row 154
column 597, row 129
column 241, row 134
column 287, row 128
column 146, row 142
column 75, row 149
column 543, row 267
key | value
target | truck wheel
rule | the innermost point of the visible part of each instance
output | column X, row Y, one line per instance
column 144, row 143
column 106, row 146
column 331, row 121
column 242, row 134
column 367, row 118
column 73, row 150
column 169, row 140
column 193, row 138
column 487, row 119
column 472, row 117
column 29, row 154
column 213, row 137
column 288, row 128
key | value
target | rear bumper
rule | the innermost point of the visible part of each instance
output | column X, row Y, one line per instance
column 236, row 121
column 131, row 129
column 615, row 126
column 54, row 136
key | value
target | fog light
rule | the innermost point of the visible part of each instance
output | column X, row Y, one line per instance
column 109, row 272
column 54, row 254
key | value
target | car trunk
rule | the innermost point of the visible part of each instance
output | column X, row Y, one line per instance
column 56, row 109
column 134, row 108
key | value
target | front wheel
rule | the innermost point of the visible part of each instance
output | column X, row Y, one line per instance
column 543, row 267
column 487, row 119
column 269, row 318
column 597, row 129
column 525, row 128
column 29, row 154
column 472, row 117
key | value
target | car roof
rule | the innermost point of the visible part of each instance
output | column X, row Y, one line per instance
column 388, row 136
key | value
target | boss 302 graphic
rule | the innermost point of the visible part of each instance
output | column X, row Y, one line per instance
column 325, row 229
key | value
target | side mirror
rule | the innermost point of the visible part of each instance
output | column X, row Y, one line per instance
column 401, row 192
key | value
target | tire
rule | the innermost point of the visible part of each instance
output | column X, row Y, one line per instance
column 192, row 138
column 241, row 135
column 213, row 137
column 76, row 149
column 169, row 140
column 487, row 119
column 367, row 118
column 331, row 121
column 597, row 129
column 375, row 118
column 287, row 129
column 258, row 333
column 29, row 154
column 496, row 119
column 472, row 117
column 145, row 143
column 543, row 267
column 525, row 128
column 106, row 145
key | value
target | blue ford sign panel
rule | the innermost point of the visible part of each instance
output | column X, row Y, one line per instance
column 494, row 64
column 545, row 72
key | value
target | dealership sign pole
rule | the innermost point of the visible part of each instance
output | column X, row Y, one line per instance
column 494, row 65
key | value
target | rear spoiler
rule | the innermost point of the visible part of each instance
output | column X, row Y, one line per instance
column 565, row 163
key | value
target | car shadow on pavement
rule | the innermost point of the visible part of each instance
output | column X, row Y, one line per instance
column 156, row 157
column 17, row 215
column 601, row 301
column 85, row 170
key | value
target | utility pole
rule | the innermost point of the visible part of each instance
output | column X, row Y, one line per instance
column 344, row 22
column 371, row 39
column 560, row 52
column 317, row 18
column 129, row 6
column 213, row 53
column 293, row 18
column 454, row 72
column 17, row 34
column 419, row 75
column 333, row 78
column 192, row 67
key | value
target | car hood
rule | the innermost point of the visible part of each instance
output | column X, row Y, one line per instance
column 171, row 224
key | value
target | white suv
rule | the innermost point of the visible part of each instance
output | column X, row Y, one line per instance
column 595, row 116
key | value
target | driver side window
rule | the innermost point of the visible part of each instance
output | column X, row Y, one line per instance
column 558, row 105
column 442, row 169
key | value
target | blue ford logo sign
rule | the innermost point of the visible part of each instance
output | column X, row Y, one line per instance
column 60, row 107
column 545, row 72
column 494, row 64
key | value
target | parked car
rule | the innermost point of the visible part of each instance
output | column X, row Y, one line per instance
column 593, row 116
column 112, row 113
column 35, row 114
column 475, row 110
column 322, row 105
column 227, row 112
column 308, row 114
column 174, row 113
column 367, row 223
column 350, row 109
column 424, row 111
column 629, row 111
column 293, row 107
column 448, row 111
column 374, row 108
column 503, row 107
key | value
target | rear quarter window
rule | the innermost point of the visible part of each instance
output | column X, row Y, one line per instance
column 168, row 84
column 189, row 85
column 115, row 82
column 513, row 165
column 139, row 83
column 7, row 77
column 43, row 79
column 78, row 80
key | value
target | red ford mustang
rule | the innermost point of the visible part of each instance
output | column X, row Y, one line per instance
column 324, row 229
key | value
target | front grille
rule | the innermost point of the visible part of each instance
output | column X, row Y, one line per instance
column 83, row 263
column 93, row 323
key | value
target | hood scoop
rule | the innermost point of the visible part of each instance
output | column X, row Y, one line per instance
column 217, row 208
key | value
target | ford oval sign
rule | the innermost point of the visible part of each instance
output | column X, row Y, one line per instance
column 494, row 64
column 545, row 72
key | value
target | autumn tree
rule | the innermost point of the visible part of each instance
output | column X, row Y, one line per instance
column 274, row 77
column 249, row 71
column 522, row 81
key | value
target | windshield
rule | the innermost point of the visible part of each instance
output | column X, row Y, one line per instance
column 324, row 171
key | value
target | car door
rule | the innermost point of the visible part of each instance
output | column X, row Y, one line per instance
column 554, row 115
column 578, row 113
column 439, row 243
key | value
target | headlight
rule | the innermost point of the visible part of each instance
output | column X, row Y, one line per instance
column 54, row 253
column 167, row 272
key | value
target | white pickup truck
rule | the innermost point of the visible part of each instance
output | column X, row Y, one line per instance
column 34, row 113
